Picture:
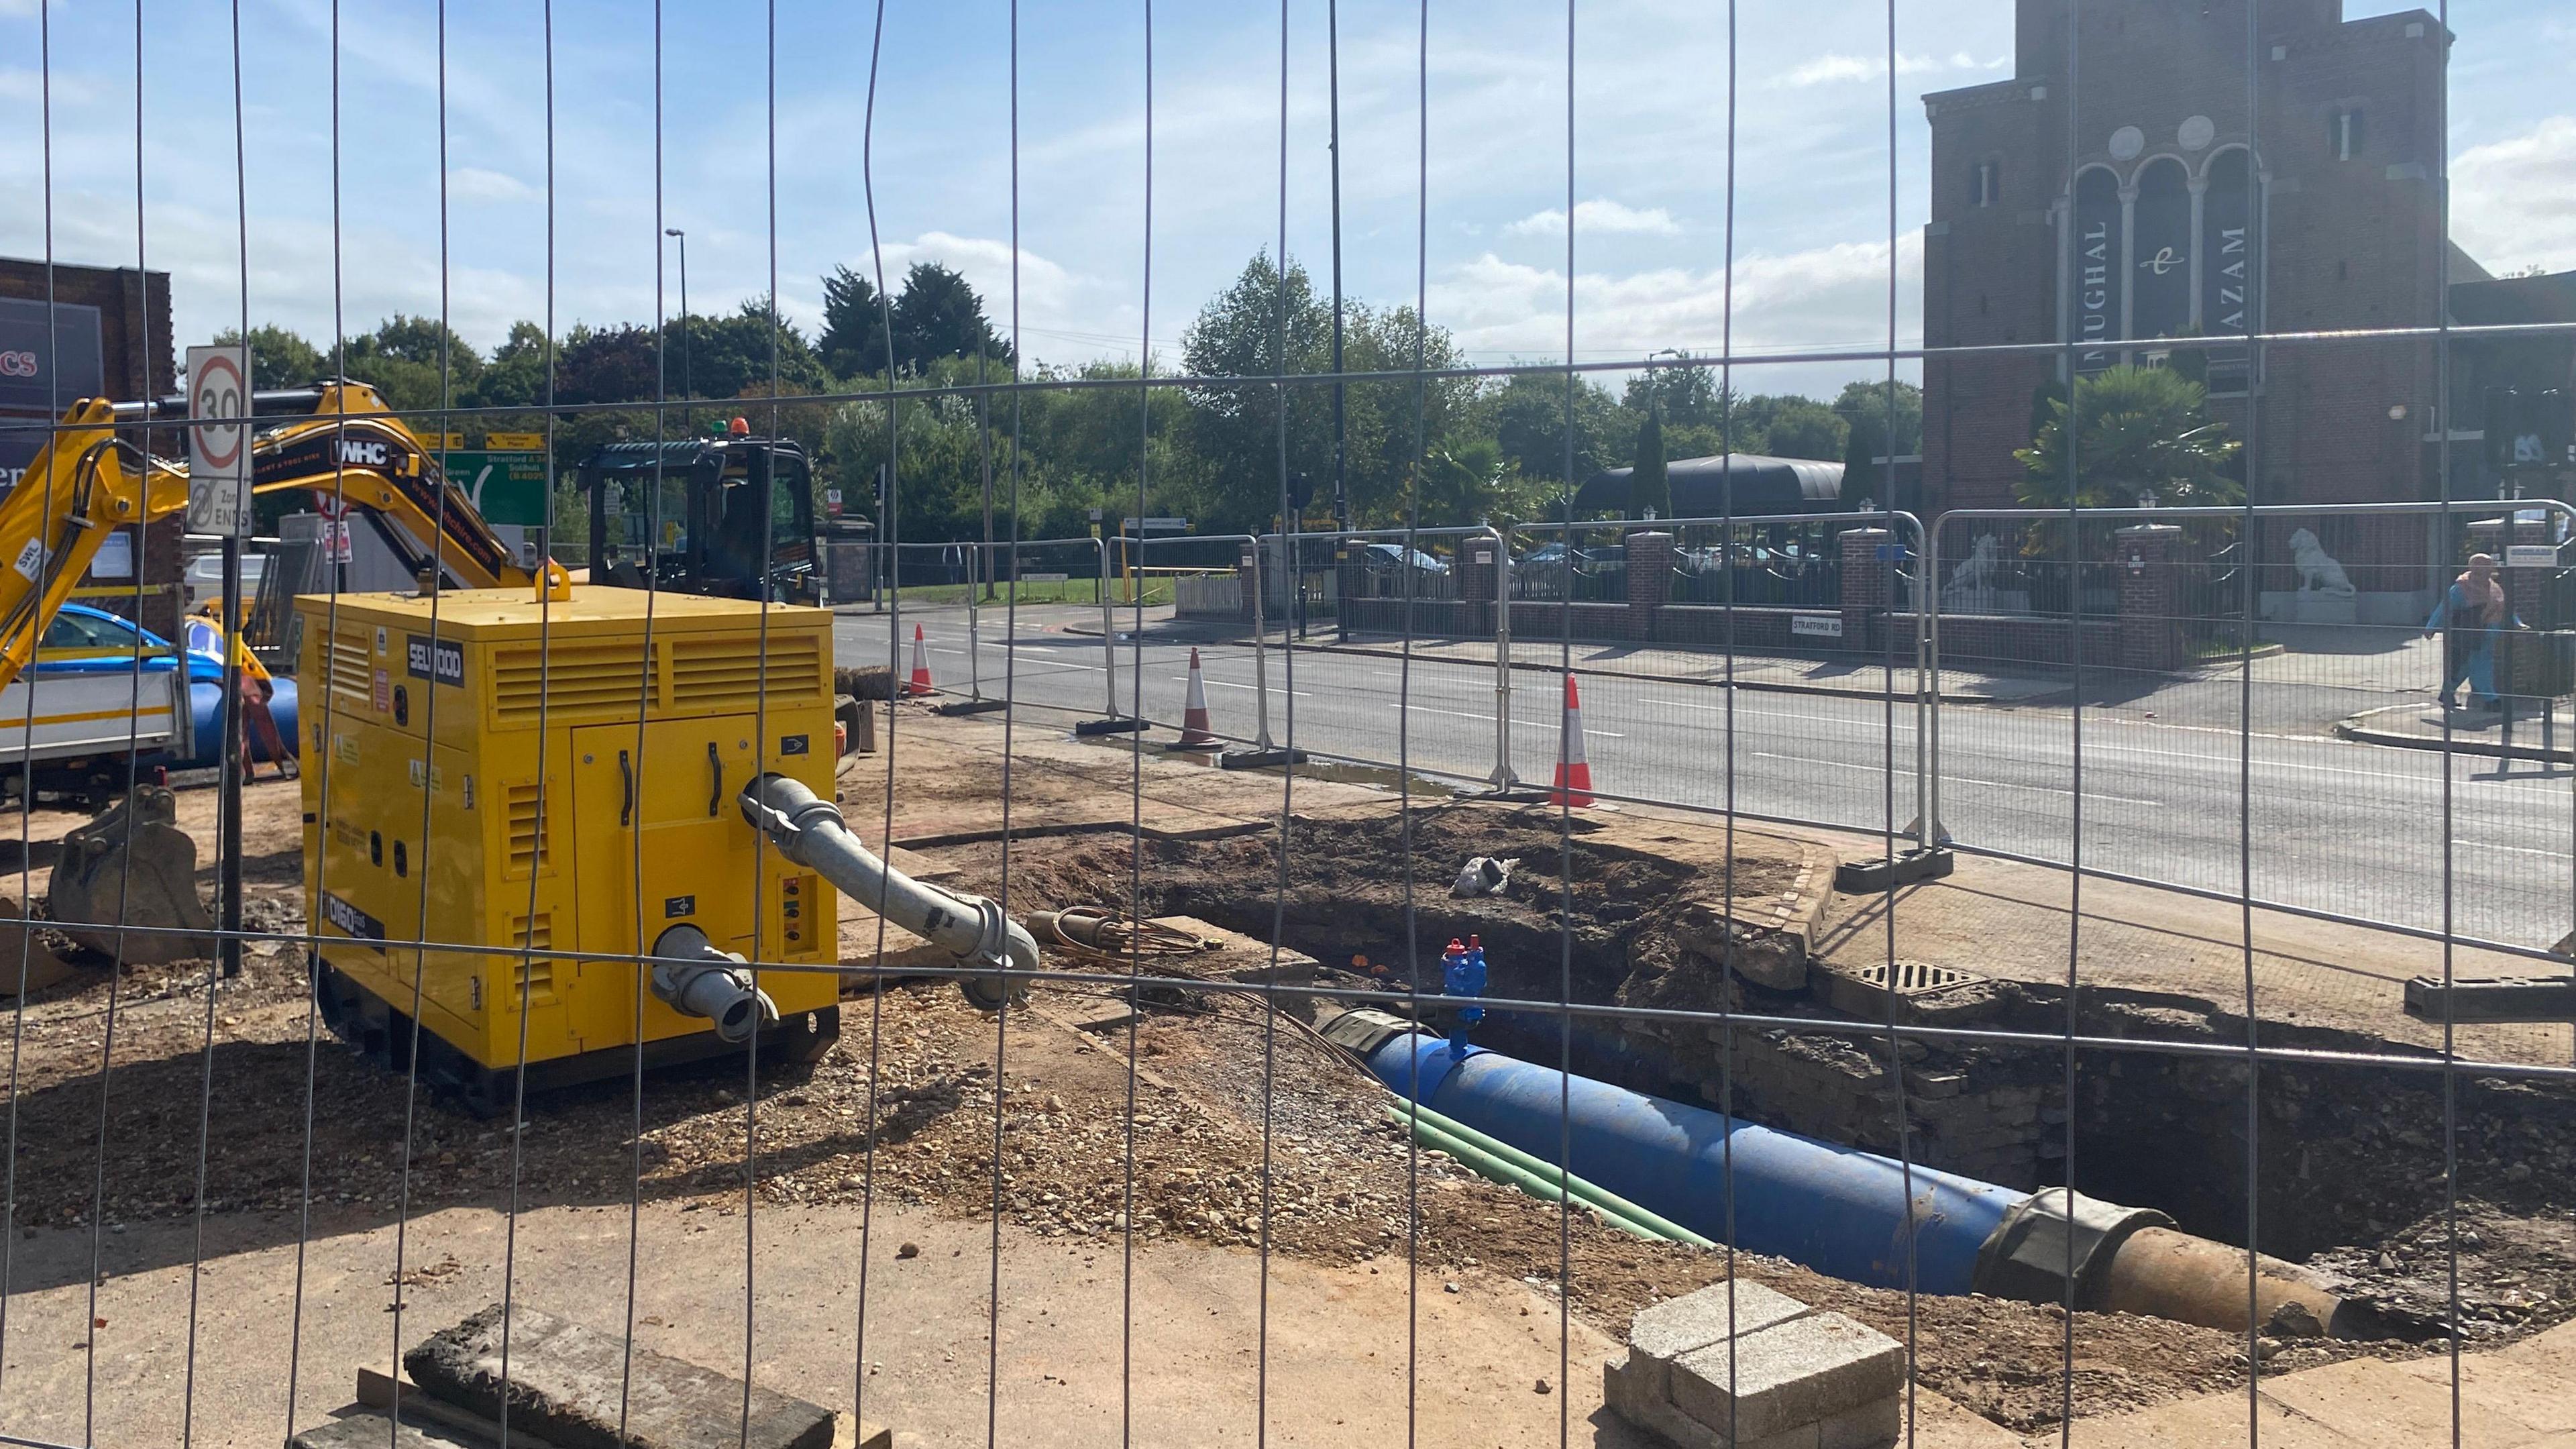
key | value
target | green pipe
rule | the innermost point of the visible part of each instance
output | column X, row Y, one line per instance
column 1584, row 1189
column 1539, row 1180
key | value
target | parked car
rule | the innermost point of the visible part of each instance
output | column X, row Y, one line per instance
column 93, row 645
column 1391, row 558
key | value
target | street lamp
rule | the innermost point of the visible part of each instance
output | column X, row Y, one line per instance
column 687, row 389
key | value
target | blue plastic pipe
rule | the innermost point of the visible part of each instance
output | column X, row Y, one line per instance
column 1840, row 1211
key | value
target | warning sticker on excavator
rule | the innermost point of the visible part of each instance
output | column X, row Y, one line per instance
column 31, row 561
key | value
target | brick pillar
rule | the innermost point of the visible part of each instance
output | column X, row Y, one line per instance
column 2150, row 622
column 1867, row 582
column 1650, row 580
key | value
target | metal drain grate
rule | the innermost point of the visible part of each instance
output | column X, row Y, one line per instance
column 1917, row 978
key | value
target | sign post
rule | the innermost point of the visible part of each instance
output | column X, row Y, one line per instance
column 219, row 493
column 219, row 452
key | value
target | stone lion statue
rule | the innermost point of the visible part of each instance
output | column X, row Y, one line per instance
column 2318, row 573
column 1980, row 570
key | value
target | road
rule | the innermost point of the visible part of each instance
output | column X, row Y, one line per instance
column 2357, row 830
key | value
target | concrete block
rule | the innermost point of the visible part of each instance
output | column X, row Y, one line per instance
column 1622, row 1392
column 371, row 1431
column 566, row 1383
column 1871, row 1426
column 1787, row 1376
column 1663, row 1332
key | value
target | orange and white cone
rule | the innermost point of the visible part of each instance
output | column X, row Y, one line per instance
column 1194, row 710
column 919, row 684
column 1573, row 774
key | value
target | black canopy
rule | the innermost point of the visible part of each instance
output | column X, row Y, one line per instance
column 1761, row 485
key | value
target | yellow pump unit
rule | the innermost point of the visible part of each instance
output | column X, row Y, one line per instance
column 580, row 779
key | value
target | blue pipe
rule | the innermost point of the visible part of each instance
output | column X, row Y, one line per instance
column 1838, row 1210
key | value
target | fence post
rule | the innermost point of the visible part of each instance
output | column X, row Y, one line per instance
column 1650, row 580
column 1500, row 580
column 1108, row 635
column 2150, row 631
column 1251, row 558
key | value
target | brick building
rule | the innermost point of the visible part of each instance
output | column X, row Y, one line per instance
column 2132, row 184
column 107, row 333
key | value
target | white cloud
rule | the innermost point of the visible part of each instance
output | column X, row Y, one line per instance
column 1597, row 216
column 2513, row 202
column 475, row 183
column 1826, row 298
column 1830, row 68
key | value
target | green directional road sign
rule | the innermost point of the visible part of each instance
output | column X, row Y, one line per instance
column 505, row 487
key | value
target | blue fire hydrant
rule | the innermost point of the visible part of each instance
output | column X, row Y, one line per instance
column 1462, row 973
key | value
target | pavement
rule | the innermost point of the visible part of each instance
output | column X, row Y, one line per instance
column 2511, row 1398
column 2173, row 790
column 2548, row 738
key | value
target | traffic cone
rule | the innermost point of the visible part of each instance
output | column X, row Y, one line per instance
column 1573, row 775
column 919, row 684
column 1194, row 712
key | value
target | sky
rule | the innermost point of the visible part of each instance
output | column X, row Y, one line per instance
column 1472, row 216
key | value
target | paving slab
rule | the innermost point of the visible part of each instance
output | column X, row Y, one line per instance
column 376, row 1431
column 1666, row 1331
column 578, row 1387
column 1801, row 1372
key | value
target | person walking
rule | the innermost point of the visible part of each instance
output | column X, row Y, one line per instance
column 2471, row 613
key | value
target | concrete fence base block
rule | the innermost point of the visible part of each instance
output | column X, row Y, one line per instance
column 1777, row 1373
column 569, row 1385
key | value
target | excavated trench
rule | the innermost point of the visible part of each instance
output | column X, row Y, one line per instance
column 2348, row 1161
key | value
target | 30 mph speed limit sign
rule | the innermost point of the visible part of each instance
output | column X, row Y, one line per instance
column 219, row 481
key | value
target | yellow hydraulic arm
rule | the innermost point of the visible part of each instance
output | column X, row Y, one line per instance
column 353, row 452
column 83, row 483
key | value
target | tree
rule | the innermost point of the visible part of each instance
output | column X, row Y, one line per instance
column 853, row 340
column 278, row 358
column 1865, row 408
column 1650, row 492
column 1235, row 430
column 2135, row 430
column 1800, row 427
column 1687, row 396
column 1527, row 416
column 938, row 315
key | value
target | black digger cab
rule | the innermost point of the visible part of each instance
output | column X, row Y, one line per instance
column 731, row 517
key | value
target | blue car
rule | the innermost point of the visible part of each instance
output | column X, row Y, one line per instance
column 87, row 642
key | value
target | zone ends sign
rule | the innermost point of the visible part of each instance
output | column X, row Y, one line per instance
column 219, row 450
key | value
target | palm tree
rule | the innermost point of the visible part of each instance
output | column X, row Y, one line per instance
column 2139, row 431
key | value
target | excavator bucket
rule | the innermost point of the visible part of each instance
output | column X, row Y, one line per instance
column 132, row 866
column 43, row 968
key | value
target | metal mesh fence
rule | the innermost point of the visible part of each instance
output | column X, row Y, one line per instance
column 2028, row 962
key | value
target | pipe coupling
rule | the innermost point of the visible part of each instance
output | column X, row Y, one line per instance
column 693, row 978
column 796, row 811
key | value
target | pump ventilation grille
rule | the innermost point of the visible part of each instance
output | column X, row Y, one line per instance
column 716, row 671
column 527, row 827
column 352, row 668
column 535, row 975
column 568, row 682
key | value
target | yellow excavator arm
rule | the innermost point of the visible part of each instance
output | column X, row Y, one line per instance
column 84, row 482
column 353, row 453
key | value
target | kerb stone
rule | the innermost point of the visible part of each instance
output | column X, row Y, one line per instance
column 567, row 1383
